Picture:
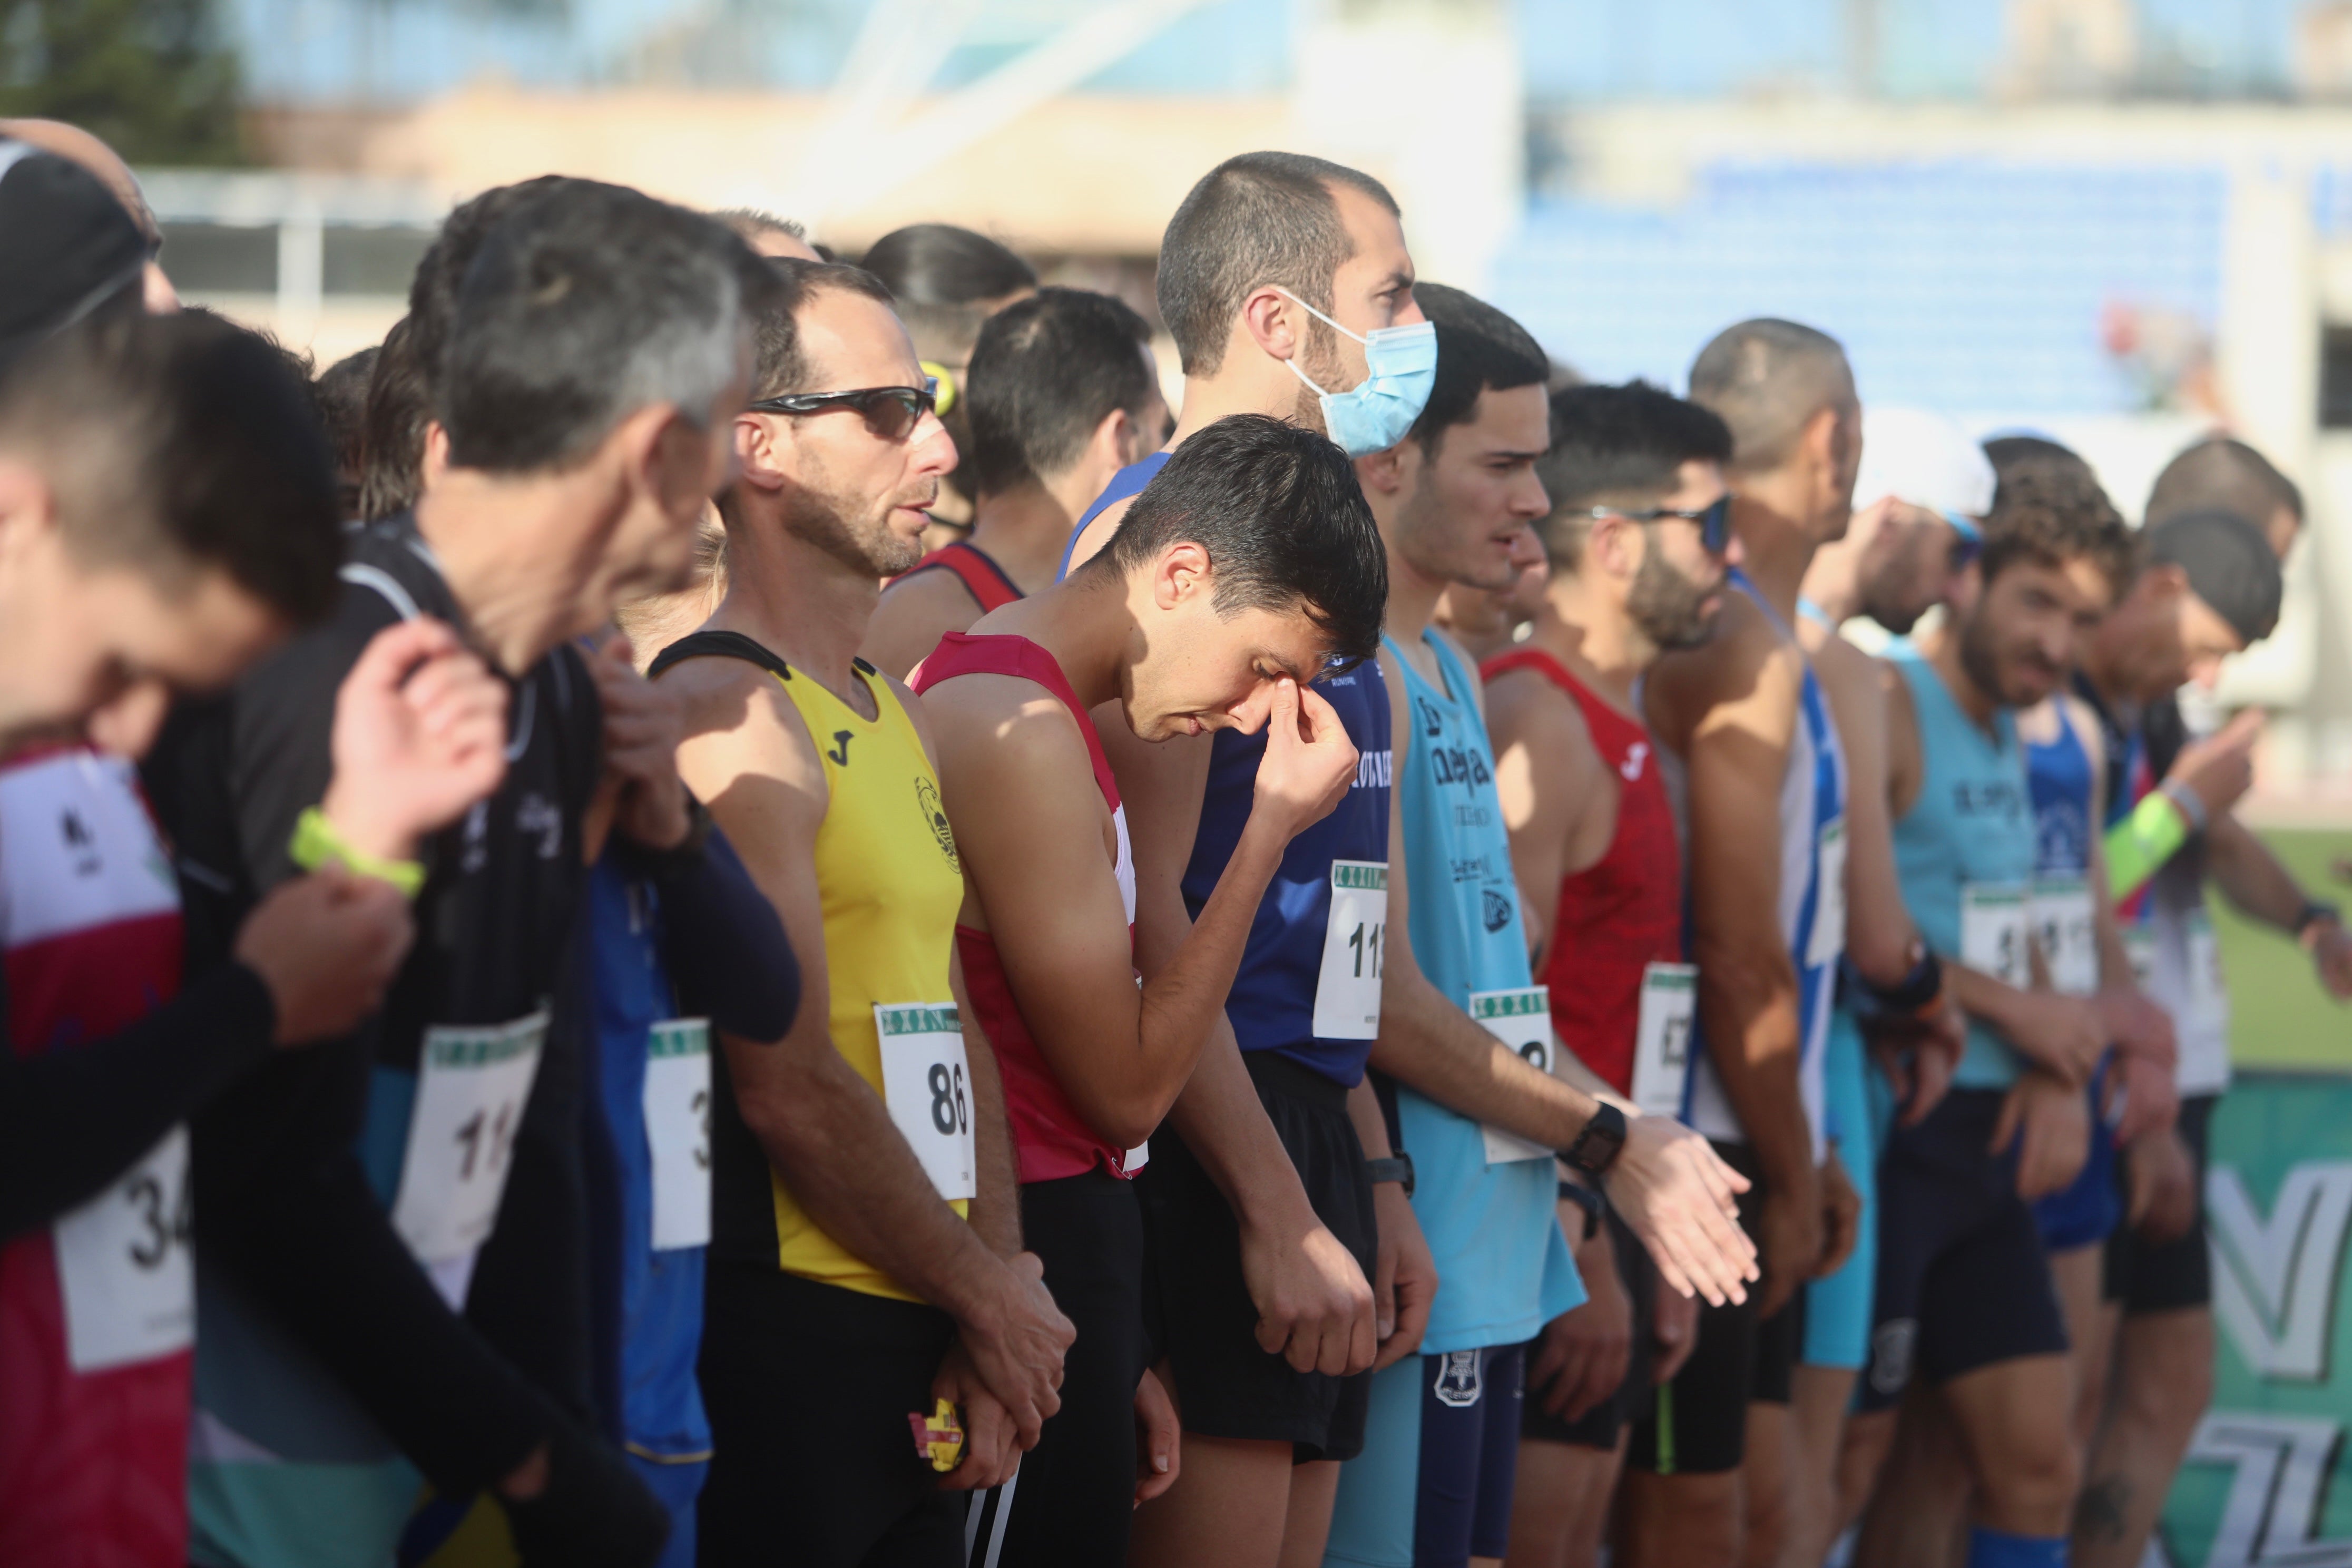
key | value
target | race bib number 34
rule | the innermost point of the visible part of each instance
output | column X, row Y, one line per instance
column 472, row 1084
column 1521, row 1019
column 1348, row 988
column 927, row 1084
column 123, row 1264
column 677, row 1130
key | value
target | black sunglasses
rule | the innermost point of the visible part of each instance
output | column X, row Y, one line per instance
column 1713, row 522
column 891, row 412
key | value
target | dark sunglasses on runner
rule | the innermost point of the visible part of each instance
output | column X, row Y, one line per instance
column 1713, row 522
column 891, row 412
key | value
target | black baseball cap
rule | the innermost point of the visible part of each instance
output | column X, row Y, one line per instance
column 66, row 246
column 2228, row 563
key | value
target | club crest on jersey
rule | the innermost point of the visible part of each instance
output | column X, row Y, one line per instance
column 1497, row 909
column 1458, row 1384
column 927, row 797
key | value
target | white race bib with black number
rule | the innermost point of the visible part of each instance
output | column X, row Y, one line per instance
column 1348, row 988
column 472, row 1082
column 1662, row 1037
column 1521, row 1019
column 1994, row 920
column 123, row 1264
column 2064, row 927
column 927, row 1084
column 2204, row 1033
column 1828, row 938
column 677, row 1130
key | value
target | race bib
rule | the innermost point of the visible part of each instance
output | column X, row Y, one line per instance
column 1521, row 1019
column 123, row 1264
column 1994, row 920
column 2204, row 1033
column 677, row 1130
column 2139, row 949
column 1828, row 939
column 1662, row 1037
column 471, row 1085
column 927, row 1084
column 1348, row 989
column 2064, row 927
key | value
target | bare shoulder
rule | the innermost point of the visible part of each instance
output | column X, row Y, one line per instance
column 1463, row 660
column 1005, row 723
column 1748, row 677
column 1525, row 709
column 1097, row 533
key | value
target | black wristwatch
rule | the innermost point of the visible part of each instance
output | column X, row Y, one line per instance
column 1597, row 1147
column 2314, row 911
column 1397, row 1167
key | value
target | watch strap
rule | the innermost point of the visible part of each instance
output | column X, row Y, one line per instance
column 1397, row 1167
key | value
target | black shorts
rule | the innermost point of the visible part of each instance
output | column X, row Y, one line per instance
column 1697, row 1425
column 1599, row 1426
column 1197, row 1310
column 1963, row 1281
column 2168, row 1277
column 1075, row 1495
column 808, row 1388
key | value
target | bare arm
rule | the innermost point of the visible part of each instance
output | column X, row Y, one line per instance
column 1560, row 803
column 1878, row 929
column 915, row 613
column 995, row 1210
column 2257, row 883
column 1097, row 533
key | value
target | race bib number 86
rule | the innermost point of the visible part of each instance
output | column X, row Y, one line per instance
column 927, row 1084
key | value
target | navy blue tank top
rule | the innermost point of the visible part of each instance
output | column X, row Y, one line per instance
column 1127, row 482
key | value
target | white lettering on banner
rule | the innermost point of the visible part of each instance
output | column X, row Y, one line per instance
column 2065, row 925
column 2276, row 1494
column 2281, row 1272
column 472, row 1083
column 1348, row 987
column 1662, row 1037
column 1994, row 921
column 1521, row 1019
column 1828, row 938
column 927, row 1084
column 677, row 1130
column 123, row 1264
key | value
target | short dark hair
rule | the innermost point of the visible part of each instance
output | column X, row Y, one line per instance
column 2023, row 453
column 181, row 443
column 392, row 442
column 340, row 394
column 1044, row 374
column 779, row 363
column 751, row 222
column 1261, row 218
column 584, row 303
column 1767, row 378
column 1618, row 445
column 942, row 279
column 2222, row 473
column 1479, row 350
column 1282, row 519
column 2046, row 514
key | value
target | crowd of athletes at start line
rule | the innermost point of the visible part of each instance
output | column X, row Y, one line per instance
column 725, row 908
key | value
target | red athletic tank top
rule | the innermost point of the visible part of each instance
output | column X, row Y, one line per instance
column 93, row 1418
column 1050, row 1137
column 1624, row 911
column 974, row 569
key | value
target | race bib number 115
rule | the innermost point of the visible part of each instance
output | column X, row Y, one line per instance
column 472, row 1083
column 1348, row 985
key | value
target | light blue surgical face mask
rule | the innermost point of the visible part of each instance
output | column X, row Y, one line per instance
column 1400, row 367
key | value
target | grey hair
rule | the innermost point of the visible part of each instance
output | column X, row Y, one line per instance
column 1767, row 378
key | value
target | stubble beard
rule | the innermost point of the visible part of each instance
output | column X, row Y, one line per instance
column 875, row 551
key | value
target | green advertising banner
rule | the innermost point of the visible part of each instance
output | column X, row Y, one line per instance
column 2267, row 1480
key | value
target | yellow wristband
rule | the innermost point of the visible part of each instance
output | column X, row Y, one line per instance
column 315, row 843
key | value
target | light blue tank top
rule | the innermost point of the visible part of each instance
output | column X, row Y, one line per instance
column 1504, row 1268
column 1812, row 835
column 1972, row 823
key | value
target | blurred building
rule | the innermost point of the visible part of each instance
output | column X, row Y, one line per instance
column 2122, row 222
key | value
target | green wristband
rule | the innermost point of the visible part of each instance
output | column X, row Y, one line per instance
column 315, row 843
column 2139, row 845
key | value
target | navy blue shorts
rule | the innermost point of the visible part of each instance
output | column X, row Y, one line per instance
column 1432, row 1485
column 2088, row 1211
column 2172, row 1276
column 1963, row 1281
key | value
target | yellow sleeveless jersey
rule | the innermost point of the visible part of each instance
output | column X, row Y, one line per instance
column 887, row 870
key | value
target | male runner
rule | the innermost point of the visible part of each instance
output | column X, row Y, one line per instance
column 1245, row 570
column 2201, row 592
column 1635, row 477
column 124, row 446
column 347, row 1196
column 846, row 1159
column 1767, row 872
column 1964, row 1290
column 1061, row 395
column 1477, row 1111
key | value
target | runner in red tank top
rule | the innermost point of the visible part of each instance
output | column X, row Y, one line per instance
column 1635, row 539
column 1091, row 1060
column 1062, row 394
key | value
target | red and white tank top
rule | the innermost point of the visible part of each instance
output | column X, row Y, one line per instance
column 1623, row 912
column 1051, row 1138
column 96, row 1310
column 988, row 583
